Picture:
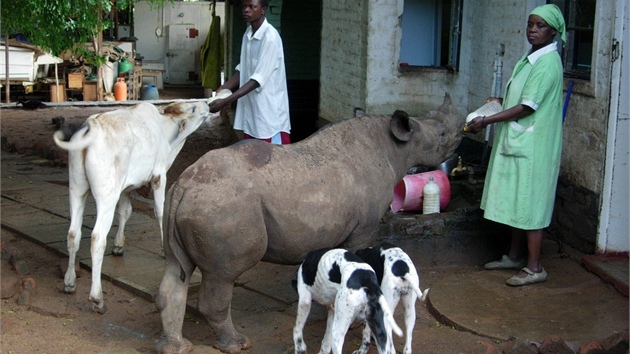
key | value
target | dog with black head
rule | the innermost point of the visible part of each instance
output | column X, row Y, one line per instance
column 398, row 280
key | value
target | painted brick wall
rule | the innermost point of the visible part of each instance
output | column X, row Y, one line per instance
column 344, row 50
column 369, row 32
column 366, row 34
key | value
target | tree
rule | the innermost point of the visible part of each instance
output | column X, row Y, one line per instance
column 61, row 25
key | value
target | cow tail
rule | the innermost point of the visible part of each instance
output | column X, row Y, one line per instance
column 422, row 295
column 80, row 142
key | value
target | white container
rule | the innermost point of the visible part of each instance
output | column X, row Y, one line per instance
column 488, row 109
column 431, row 196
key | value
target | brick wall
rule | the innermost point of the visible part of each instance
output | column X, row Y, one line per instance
column 343, row 75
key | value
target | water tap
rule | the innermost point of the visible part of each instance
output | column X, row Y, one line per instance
column 459, row 168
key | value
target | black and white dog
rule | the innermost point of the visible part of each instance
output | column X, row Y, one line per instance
column 348, row 286
column 399, row 281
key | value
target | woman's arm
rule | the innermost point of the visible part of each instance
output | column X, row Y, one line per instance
column 514, row 113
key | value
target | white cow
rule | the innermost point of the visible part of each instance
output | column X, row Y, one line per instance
column 112, row 154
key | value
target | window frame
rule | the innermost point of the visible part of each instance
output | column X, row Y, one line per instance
column 571, row 51
column 451, row 59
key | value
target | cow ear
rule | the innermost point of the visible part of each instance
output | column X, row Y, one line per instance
column 182, row 125
column 400, row 126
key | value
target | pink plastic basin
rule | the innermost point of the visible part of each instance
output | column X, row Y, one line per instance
column 408, row 194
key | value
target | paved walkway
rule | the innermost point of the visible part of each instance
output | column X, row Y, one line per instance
column 574, row 303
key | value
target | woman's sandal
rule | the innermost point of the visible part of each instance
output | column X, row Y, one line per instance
column 505, row 263
column 531, row 278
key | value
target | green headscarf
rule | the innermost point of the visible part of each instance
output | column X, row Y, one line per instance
column 553, row 16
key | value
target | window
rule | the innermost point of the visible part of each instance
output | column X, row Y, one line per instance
column 579, row 16
column 431, row 31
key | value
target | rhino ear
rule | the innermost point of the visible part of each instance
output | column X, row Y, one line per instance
column 400, row 126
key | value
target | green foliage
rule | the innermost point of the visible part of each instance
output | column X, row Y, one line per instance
column 59, row 25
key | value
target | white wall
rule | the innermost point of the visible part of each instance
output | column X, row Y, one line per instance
column 151, row 27
column 614, row 229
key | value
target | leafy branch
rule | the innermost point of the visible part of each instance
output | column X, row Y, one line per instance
column 61, row 25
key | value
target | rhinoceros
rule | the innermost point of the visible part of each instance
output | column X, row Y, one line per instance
column 256, row 201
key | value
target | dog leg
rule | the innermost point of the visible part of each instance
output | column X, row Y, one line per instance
column 365, row 340
column 409, row 305
column 326, row 342
column 303, row 309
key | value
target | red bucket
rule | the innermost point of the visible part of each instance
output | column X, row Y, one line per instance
column 408, row 194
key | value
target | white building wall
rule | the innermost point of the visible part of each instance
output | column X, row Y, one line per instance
column 151, row 27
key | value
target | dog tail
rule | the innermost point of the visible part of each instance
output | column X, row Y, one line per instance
column 423, row 298
column 422, row 295
column 63, row 135
column 389, row 316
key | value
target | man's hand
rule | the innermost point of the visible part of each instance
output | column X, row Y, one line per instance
column 219, row 101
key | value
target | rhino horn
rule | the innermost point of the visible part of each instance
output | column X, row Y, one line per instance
column 447, row 105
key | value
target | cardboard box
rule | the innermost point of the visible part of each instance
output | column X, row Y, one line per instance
column 89, row 91
column 75, row 80
column 58, row 92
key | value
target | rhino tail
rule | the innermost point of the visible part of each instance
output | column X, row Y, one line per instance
column 173, row 247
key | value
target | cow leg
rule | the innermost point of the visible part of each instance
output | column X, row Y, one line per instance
column 303, row 309
column 104, row 218
column 124, row 212
column 78, row 196
column 159, row 190
column 171, row 302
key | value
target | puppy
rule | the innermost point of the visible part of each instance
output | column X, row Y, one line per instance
column 348, row 286
column 399, row 281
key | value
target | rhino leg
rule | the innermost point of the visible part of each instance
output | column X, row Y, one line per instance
column 215, row 297
column 171, row 301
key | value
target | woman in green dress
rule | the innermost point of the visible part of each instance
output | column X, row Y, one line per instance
column 522, row 174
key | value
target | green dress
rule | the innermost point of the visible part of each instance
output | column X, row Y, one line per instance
column 522, row 174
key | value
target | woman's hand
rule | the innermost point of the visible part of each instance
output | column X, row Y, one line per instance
column 498, row 99
column 475, row 125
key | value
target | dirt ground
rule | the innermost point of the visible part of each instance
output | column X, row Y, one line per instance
column 53, row 322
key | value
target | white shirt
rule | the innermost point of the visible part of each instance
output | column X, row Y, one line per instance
column 264, row 112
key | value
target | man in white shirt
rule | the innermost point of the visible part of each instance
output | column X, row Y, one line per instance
column 262, row 111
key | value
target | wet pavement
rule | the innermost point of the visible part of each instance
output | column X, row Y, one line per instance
column 574, row 304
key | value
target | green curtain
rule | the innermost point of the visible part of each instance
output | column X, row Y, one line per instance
column 212, row 55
